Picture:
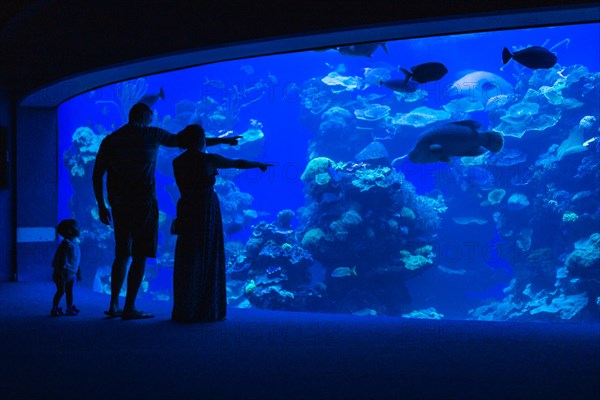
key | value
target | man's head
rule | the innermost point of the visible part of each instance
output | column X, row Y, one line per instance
column 140, row 114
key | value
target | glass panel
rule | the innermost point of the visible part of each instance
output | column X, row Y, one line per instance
column 442, row 177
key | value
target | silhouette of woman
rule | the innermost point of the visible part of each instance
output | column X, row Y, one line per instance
column 199, row 292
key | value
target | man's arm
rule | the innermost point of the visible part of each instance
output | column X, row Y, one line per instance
column 168, row 139
column 100, row 168
column 232, row 141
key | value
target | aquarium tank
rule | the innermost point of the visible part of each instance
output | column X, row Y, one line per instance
column 450, row 177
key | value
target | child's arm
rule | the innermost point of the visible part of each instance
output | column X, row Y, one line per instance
column 60, row 257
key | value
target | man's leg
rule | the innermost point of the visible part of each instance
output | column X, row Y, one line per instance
column 117, row 277
column 134, row 280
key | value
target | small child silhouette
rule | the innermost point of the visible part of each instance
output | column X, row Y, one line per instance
column 66, row 266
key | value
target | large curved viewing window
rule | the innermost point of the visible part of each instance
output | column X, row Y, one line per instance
column 344, row 222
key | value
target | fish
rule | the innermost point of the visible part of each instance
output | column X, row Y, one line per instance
column 343, row 272
column 469, row 220
column 234, row 227
column 460, row 138
column 362, row 50
column 452, row 271
column 375, row 75
column 534, row 57
column 399, row 85
column 427, row 72
column 151, row 99
column 247, row 69
column 479, row 86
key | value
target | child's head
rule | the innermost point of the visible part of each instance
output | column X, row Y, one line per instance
column 68, row 228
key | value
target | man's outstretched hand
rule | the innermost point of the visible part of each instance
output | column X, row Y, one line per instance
column 263, row 166
column 232, row 141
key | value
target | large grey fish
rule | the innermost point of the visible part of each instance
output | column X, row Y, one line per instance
column 361, row 50
column 150, row 99
column 479, row 86
column 534, row 57
column 460, row 138
column 426, row 72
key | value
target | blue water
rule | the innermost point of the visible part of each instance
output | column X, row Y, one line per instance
column 476, row 260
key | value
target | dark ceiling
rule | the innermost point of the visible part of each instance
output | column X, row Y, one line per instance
column 44, row 41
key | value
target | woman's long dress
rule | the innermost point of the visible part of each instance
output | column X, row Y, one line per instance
column 199, row 288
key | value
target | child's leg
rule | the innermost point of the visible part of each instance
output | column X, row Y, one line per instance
column 69, row 292
column 60, row 289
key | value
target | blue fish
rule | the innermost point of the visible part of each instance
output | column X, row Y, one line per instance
column 361, row 50
column 427, row 72
column 151, row 99
column 460, row 138
column 534, row 57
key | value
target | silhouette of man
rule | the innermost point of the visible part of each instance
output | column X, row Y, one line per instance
column 128, row 158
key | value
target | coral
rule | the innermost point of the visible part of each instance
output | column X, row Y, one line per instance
column 372, row 112
column 336, row 118
column 496, row 196
column 253, row 134
column 284, row 218
column 312, row 238
column 420, row 117
column 250, row 287
column 234, row 206
column 497, row 102
column 340, row 83
column 421, row 257
column 84, row 147
column 463, row 105
column 336, row 112
column 569, row 217
column 524, row 239
column 566, row 306
column 315, row 167
column 553, row 305
column 428, row 313
column 286, row 247
column 374, row 152
column 341, row 227
column 315, row 96
column 572, row 144
column 508, row 157
column 586, row 257
column 520, row 120
column 407, row 213
column 382, row 177
column 542, row 257
column 323, row 178
column 498, row 311
column 517, row 201
column 419, row 95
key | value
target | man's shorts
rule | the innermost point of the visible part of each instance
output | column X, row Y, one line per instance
column 136, row 228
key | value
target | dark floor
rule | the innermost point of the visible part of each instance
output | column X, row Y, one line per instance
column 280, row 355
